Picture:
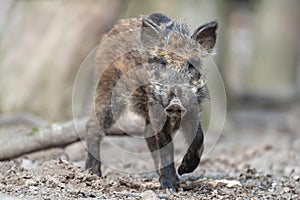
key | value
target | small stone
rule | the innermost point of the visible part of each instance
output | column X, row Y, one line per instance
column 296, row 178
column 30, row 182
column 286, row 189
column 28, row 164
column 251, row 183
column 149, row 194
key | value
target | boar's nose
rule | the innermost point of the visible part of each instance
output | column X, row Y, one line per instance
column 175, row 110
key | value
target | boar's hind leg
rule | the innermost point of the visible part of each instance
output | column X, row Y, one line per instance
column 96, row 128
column 93, row 141
column 192, row 157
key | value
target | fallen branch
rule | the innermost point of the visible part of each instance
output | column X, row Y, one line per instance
column 54, row 135
column 22, row 119
column 40, row 138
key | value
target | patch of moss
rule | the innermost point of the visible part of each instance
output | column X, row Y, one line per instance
column 32, row 132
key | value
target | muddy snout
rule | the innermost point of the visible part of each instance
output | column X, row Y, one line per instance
column 175, row 109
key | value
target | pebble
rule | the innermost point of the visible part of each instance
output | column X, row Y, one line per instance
column 30, row 182
column 149, row 194
column 296, row 178
column 251, row 183
column 28, row 164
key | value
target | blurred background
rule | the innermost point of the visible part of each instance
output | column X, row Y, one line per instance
column 43, row 43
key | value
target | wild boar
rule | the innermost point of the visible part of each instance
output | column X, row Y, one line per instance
column 166, row 89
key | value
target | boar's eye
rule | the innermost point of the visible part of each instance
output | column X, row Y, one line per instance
column 193, row 71
column 196, row 78
column 190, row 67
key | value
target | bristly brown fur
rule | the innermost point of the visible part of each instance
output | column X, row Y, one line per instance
column 152, row 66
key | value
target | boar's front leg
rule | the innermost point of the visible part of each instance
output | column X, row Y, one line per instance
column 153, row 146
column 192, row 157
column 168, row 177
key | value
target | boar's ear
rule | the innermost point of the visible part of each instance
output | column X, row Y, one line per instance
column 206, row 35
column 159, row 18
column 150, row 30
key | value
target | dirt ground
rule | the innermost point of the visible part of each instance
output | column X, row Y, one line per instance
column 256, row 157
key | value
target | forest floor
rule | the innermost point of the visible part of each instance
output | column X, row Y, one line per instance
column 251, row 160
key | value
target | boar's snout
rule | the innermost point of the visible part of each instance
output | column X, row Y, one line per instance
column 175, row 110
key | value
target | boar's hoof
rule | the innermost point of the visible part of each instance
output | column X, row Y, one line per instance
column 93, row 166
column 189, row 164
column 169, row 183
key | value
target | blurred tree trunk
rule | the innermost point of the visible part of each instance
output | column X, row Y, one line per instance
column 42, row 46
column 297, row 71
column 235, row 45
column 276, row 42
column 258, row 50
